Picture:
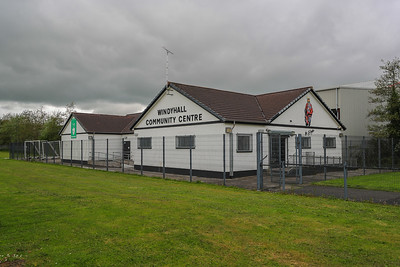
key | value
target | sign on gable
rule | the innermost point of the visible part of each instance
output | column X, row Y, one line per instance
column 73, row 128
column 174, row 109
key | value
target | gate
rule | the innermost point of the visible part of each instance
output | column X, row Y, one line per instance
column 273, row 161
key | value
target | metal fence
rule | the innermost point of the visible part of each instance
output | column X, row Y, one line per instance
column 303, row 160
column 261, row 161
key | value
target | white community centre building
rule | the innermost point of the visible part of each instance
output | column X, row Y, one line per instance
column 87, row 136
column 212, row 132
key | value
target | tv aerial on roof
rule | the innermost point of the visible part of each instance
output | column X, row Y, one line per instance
column 166, row 68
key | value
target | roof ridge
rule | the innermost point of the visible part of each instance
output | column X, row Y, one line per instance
column 102, row 114
column 209, row 88
column 262, row 111
column 286, row 91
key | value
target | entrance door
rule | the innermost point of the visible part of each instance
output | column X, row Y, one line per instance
column 127, row 150
column 277, row 149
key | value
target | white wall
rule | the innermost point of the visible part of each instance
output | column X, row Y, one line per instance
column 172, row 108
column 114, row 144
column 295, row 114
column 354, row 108
column 354, row 111
column 208, row 153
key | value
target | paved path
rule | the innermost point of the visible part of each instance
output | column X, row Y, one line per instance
column 392, row 198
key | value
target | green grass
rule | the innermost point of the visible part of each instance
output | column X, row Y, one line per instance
column 57, row 215
column 4, row 154
column 389, row 181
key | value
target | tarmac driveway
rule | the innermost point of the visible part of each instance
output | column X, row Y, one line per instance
column 383, row 197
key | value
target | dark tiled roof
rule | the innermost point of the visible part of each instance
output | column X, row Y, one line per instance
column 226, row 105
column 231, row 106
column 274, row 103
column 101, row 123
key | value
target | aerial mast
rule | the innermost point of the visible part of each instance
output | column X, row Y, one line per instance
column 166, row 68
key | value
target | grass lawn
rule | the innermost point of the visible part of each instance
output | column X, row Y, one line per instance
column 389, row 181
column 4, row 154
column 57, row 215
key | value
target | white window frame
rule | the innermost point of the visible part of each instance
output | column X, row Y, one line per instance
column 328, row 144
column 185, row 138
column 304, row 143
column 240, row 149
column 141, row 143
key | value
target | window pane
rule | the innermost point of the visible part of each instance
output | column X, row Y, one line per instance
column 306, row 142
column 330, row 142
column 144, row 142
column 244, row 143
column 187, row 141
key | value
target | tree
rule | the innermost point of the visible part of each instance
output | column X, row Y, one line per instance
column 52, row 127
column 386, row 101
column 33, row 125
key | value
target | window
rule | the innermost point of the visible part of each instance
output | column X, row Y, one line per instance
column 330, row 142
column 244, row 143
column 306, row 142
column 144, row 143
column 186, row 141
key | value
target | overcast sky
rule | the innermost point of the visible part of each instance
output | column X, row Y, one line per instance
column 107, row 55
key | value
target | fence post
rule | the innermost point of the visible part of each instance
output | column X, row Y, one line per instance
column 300, row 160
column 107, row 154
column 93, row 151
column 231, row 154
column 379, row 154
column 191, row 142
column 45, row 152
column 280, row 158
column 123, row 156
column 345, row 180
column 141, row 159
column 11, row 151
column 18, row 151
column 163, row 157
column 21, row 149
column 259, row 162
column 81, row 153
column 223, row 158
column 363, row 146
column 283, row 175
column 296, row 142
column 324, row 146
column 34, row 153
column 270, row 159
column 346, row 149
column 62, row 152
column 392, row 154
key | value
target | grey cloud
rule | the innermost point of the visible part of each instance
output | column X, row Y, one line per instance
column 103, row 51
